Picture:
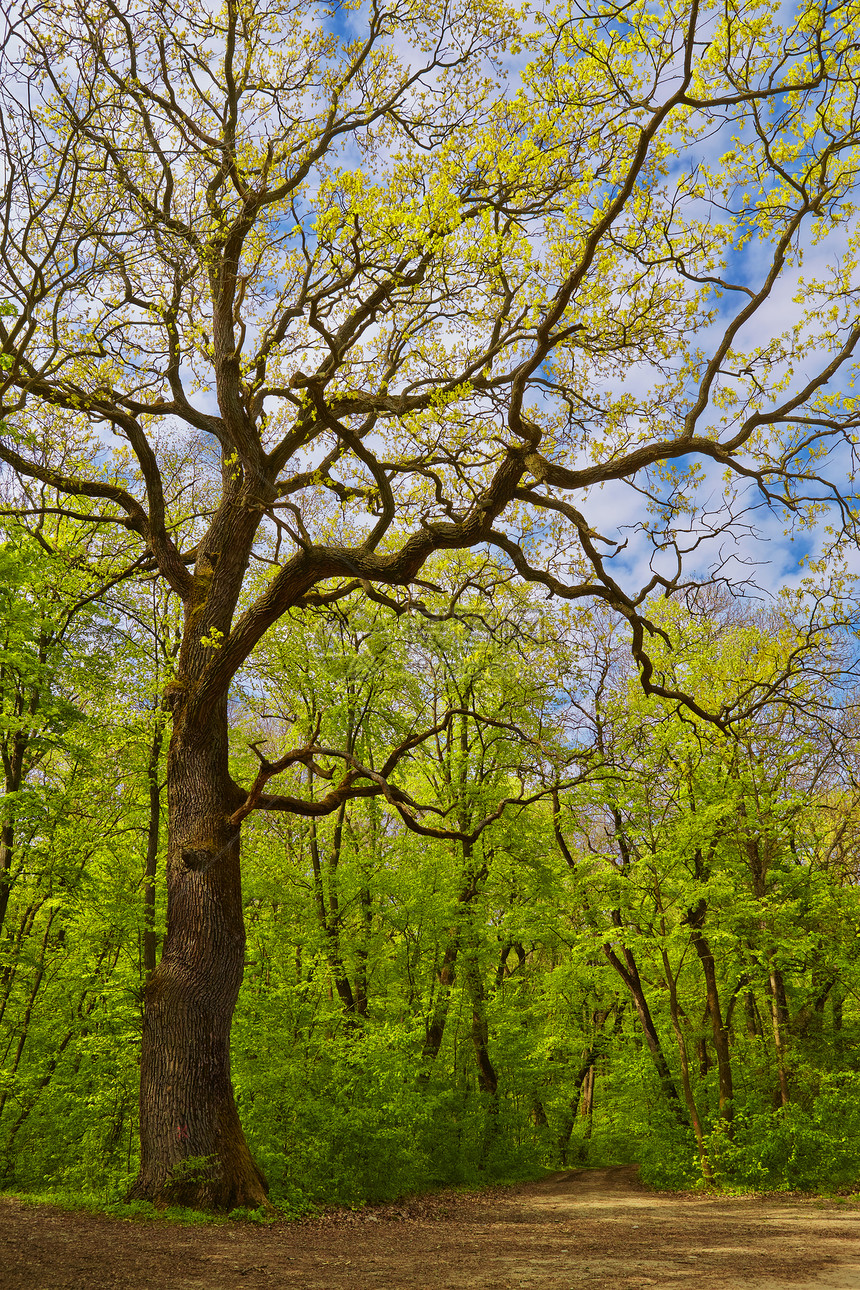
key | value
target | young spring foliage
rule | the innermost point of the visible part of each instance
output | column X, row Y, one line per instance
column 409, row 281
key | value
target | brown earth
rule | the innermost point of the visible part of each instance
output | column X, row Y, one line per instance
column 598, row 1229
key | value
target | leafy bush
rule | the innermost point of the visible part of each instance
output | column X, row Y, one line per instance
column 792, row 1149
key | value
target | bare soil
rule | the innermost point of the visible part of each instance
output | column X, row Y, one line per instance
column 598, row 1229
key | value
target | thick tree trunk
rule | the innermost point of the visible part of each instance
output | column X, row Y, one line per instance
column 193, row 1150
column 150, row 936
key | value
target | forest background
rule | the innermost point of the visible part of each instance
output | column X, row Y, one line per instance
column 653, row 959
column 305, row 410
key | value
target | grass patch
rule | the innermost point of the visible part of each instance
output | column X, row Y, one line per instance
column 115, row 1207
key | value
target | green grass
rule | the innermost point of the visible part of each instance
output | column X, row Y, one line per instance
column 142, row 1210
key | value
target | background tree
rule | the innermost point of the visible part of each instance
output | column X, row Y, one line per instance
column 71, row 911
column 337, row 1089
column 396, row 303
column 706, row 858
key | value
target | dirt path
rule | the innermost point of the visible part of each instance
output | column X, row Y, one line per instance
column 598, row 1229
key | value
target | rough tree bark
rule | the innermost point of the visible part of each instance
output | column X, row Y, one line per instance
column 193, row 1149
column 150, row 935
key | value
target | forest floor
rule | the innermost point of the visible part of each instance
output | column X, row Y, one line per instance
column 595, row 1229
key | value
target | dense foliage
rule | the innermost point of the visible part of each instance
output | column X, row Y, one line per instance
column 649, row 954
column 386, row 392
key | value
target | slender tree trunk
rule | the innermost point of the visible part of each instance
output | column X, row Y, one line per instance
column 13, row 766
column 539, row 1118
column 471, row 882
column 695, row 920
column 779, row 1017
column 754, row 1027
column 583, row 1082
column 361, row 952
column 686, row 1083
column 193, row 1150
column 837, row 1000
column 488, row 1079
column 586, row 1109
column 741, row 985
column 436, row 1025
column 328, row 911
column 7, row 849
column 702, row 1042
column 759, row 859
column 14, row 958
column 86, row 1004
column 24, row 1024
column 487, row 1076
column 630, row 976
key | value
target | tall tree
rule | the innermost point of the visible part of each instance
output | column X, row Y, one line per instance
column 396, row 301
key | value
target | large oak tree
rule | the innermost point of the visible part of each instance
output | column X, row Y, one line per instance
column 414, row 302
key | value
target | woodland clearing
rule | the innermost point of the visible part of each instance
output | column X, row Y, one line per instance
column 594, row 1228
